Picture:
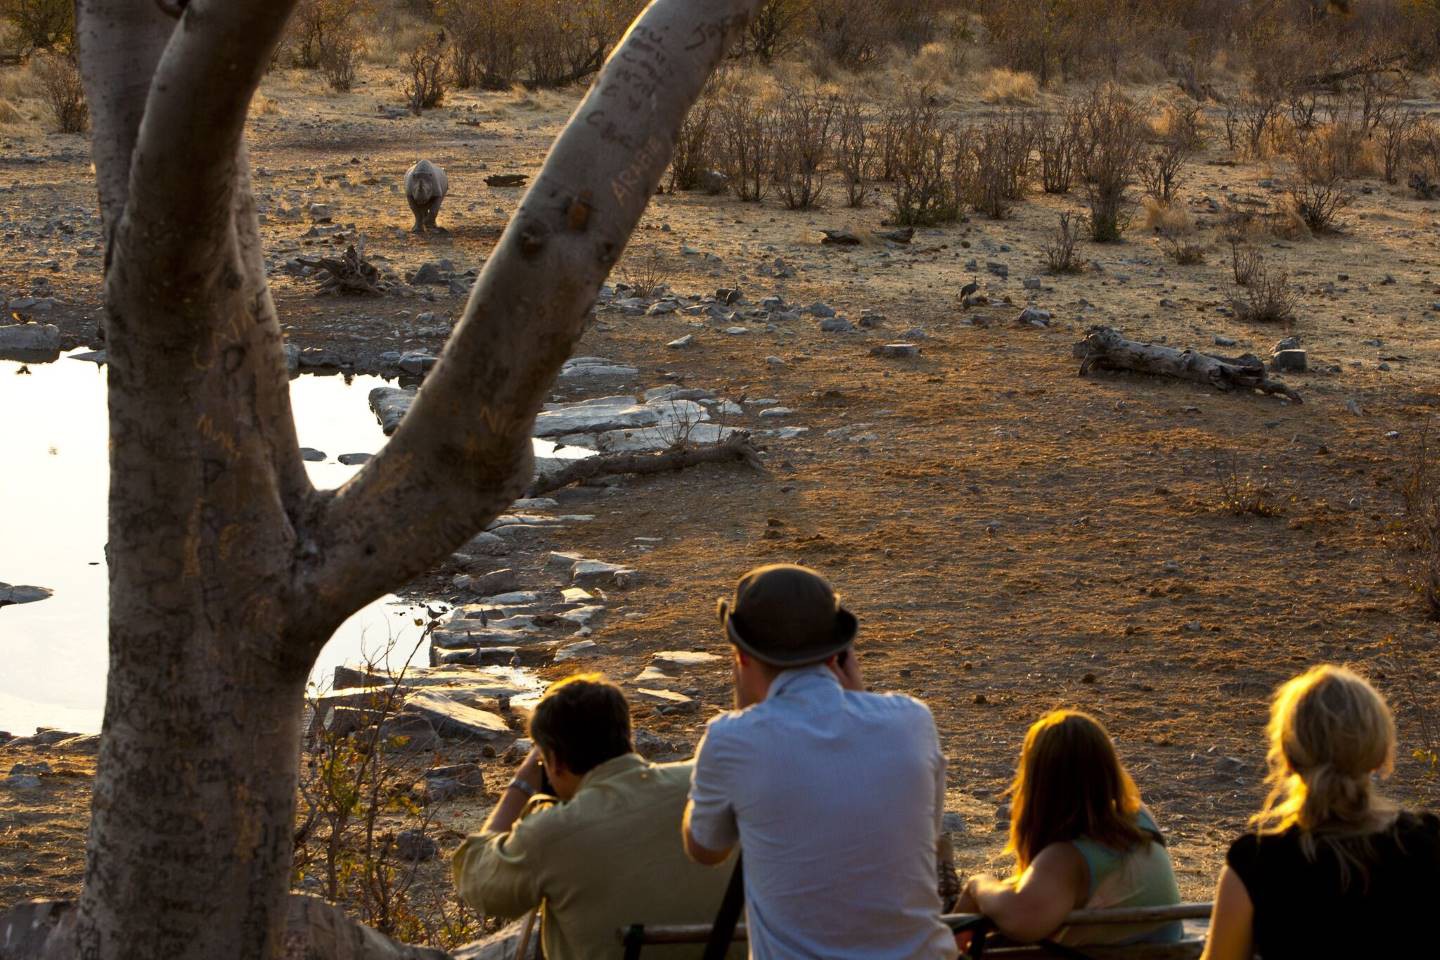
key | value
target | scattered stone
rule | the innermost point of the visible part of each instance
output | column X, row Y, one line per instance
column 456, row 780
column 1034, row 317
column 775, row 413
column 1289, row 343
column 667, row 702
column 416, row 363
column 451, row 718
column 896, row 351
column 871, row 321
column 311, row 455
column 35, row 342
column 414, row 846
column 595, row 367
column 588, row 573
column 1032, row 283
column 1289, row 361
column 737, row 331
column 506, row 180
column 820, row 310
column 836, row 325
column 903, row 235
column 1224, row 341
column 682, row 659
column 21, row 781
column 775, row 361
column 18, row 594
column 320, row 213
column 655, row 748
column 355, row 459
column 572, row 651
column 320, row 357
column 997, row 269
column 682, row 342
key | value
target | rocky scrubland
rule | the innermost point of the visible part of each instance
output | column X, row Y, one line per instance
column 883, row 238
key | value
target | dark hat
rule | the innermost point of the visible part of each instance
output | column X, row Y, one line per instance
column 787, row 616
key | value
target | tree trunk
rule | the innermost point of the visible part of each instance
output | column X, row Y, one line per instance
column 228, row 571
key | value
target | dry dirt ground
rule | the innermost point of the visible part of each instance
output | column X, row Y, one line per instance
column 1013, row 537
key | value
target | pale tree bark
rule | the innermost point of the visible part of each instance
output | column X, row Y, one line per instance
column 228, row 571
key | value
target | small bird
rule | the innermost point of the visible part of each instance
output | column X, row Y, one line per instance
column 969, row 288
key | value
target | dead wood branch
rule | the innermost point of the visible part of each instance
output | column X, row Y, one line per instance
column 1105, row 349
column 351, row 274
column 735, row 447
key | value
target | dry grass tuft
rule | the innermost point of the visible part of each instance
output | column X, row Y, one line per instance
column 10, row 114
column 1009, row 86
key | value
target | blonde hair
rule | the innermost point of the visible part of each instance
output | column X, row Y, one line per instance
column 1329, row 732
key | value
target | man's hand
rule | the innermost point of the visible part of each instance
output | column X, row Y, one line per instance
column 846, row 667
column 531, row 773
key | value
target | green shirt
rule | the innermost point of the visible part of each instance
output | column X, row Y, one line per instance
column 1142, row 876
column 610, row 857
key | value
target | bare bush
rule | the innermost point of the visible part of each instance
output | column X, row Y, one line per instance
column 536, row 43
column 1246, row 263
column 926, row 186
column 644, row 271
column 485, row 43
column 1183, row 123
column 1161, row 166
column 1267, row 298
column 1241, row 494
column 1059, row 249
column 1182, row 248
column 1423, row 159
column 853, row 148
column 317, row 26
column 1317, row 190
column 427, row 77
column 804, row 135
column 993, row 165
column 1114, row 129
column 60, row 85
column 41, row 24
column 852, row 33
column 776, row 29
column 1257, row 110
column 746, row 128
column 1058, row 147
column 1393, row 132
column 694, row 147
column 340, row 50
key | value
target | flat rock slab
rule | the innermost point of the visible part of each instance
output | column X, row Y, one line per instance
column 390, row 405
column 29, row 341
column 535, row 655
column 683, row 659
column 19, row 594
column 578, row 367
column 658, row 439
column 573, row 651
column 587, row 573
column 896, row 351
column 468, row 681
column 452, row 718
column 594, row 416
column 667, row 701
column 457, row 636
column 652, row 675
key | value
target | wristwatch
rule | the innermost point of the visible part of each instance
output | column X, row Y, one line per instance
column 522, row 786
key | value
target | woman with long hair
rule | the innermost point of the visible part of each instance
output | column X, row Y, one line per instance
column 1329, row 868
column 1080, row 837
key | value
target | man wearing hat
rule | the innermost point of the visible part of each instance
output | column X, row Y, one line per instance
column 835, row 795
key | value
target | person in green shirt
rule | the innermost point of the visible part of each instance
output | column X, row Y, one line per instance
column 608, row 854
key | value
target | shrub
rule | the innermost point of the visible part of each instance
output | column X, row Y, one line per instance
column 1317, row 189
column 644, row 271
column 1240, row 494
column 852, row 148
column 425, row 83
column 339, row 55
column 1246, row 263
column 41, row 24
column 693, row 147
column 1182, row 249
column 537, row 43
column 60, row 85
column 1267, row 298
column 926, row 186
column 994, row 164
column 319, row 27
column 1161, row 167
column 1423, row 159
column 1393, row 132
column 747, row 134
column 1059, row 250
column 852, row 33
column 804, row 131
column 776, row 28
column 1057, row 144
column 1257, row 111
column 1114, row 129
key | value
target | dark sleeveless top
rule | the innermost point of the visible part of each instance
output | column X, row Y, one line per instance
column 1304, row 910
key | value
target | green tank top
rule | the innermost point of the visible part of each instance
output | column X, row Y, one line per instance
column 1142, row 876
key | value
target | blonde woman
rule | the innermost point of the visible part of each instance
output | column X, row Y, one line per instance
column 1080, row 837
column 1329, row 868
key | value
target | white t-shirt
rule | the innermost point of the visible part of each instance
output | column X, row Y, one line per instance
column 835, row 798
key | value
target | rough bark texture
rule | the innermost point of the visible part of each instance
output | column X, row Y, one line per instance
column 228, row 571
column 1105, row 349
column 736, row 447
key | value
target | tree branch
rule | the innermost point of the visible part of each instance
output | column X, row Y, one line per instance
column 120, row 43
column 185, row 160
column 464, row 452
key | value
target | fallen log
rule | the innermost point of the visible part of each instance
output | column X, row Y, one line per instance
column 1105, row 349
column 735, row 447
